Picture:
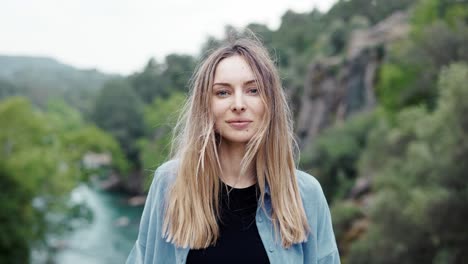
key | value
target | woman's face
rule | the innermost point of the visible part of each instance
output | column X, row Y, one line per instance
column 236, row 103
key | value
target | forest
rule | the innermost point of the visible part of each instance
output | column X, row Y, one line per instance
column 379, row 91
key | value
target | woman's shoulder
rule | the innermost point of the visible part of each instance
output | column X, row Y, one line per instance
column 168, row 167
column 165, row 174
column 307, row 182
column 310, row 189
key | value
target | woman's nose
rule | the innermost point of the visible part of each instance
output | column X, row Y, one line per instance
column 238, row 104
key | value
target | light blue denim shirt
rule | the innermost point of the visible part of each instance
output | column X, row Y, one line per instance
column 320, row 247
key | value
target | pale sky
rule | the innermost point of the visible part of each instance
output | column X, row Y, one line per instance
column 119, row 36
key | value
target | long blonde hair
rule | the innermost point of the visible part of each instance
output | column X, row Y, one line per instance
column 192, row 207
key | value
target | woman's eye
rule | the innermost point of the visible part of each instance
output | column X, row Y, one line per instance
column 222, row 93
column 253, row 90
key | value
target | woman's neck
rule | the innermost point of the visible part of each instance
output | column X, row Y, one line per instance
column 230, row 156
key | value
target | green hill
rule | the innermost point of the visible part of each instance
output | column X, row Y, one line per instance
column 43, row 78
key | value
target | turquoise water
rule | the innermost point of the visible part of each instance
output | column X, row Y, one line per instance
column 110, row 235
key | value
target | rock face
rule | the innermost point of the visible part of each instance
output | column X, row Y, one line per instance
column 335, row 88
column 388, row 30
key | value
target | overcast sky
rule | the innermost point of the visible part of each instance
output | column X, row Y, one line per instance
column 119, row 36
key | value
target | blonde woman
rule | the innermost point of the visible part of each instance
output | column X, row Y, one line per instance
column 232, row 193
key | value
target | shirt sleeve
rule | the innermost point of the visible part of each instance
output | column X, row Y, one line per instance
column 332, row 258
column 136, row 256
column 326, row 243
column 138, row 253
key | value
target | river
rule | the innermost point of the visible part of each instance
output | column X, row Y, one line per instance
column 110, row 235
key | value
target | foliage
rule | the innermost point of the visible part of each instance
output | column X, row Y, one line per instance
column 40, row 79
column 7, row 89
column 344, row 214
column 297, row 32
column 265, row 34
column 16, row 201
column 67, row 124
column 161, row 80
column 409, row 75
column 421, row 188
column 334, row 155
column 160, row 119
column 393, row 84
column 119, row 111
column 373, row 10
column 427, row 12
column 25, row 161
column 178, row 70
column 40, row 162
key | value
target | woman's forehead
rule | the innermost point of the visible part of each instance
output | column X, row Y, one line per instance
column 234, row 69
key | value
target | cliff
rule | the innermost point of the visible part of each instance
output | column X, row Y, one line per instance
column 335, row 88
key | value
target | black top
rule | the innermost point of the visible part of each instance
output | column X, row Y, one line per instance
column 239, row 241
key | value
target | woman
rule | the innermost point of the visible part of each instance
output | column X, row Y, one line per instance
column 232, row 193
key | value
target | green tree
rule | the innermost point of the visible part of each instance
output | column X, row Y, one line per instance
column 438, row 36
column 161, row 80
column 40, row 162
column 7, row 89
column 160, row 119
column 119, row 111
column 374, row 10
column 178, row 70
column 150, row 83
column 334, row 155
column 28, row 168
column 420, row 182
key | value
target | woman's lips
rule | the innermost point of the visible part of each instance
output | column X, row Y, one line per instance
column 239, row 125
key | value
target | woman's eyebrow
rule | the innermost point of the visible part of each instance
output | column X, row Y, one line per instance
column 250, row 82
column 222, row 84
column 228, row 84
